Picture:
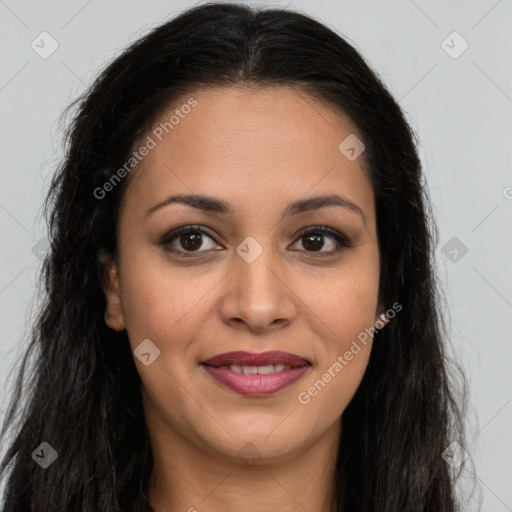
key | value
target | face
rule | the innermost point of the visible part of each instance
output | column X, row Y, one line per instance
column 249, row 272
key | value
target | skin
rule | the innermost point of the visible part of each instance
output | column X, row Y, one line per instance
column 258, row 149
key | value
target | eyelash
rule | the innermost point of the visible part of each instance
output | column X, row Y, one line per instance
column 342, row 241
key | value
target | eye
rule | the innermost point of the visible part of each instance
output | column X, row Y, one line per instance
column 191, row 239
column 312, row 239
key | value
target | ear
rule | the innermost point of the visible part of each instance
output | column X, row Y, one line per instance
column 110, row 284
column 381, row 319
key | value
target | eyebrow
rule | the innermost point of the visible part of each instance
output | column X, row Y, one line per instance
column 212, row 205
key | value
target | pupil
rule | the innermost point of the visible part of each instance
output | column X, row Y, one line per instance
column 194, row 238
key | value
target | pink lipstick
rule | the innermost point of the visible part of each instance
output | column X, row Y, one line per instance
column 252, row 374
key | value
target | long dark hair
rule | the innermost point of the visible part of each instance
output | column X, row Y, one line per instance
column 78, row 388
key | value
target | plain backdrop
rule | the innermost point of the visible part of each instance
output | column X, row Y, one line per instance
column 449, row 66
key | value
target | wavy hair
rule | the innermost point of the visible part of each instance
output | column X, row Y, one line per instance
column 78, row 388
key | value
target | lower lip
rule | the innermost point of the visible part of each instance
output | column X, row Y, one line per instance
column 256, row 384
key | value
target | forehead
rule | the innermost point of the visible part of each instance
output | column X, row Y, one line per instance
column 243, row 142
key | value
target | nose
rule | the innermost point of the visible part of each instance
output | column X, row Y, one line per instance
column 258, row 295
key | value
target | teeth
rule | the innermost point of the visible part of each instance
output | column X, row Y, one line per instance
column 270, row 368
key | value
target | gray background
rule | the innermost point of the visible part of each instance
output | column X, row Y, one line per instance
column 460, row 107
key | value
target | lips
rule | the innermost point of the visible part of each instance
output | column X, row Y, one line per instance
column 256, row 375
column 251, row 359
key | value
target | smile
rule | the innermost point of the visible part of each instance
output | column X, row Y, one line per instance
column 265, row 370
column 256, row 374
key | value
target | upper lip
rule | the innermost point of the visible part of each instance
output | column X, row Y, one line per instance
column 242, row 358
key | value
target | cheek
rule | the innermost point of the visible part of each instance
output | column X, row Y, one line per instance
column 158, row 301
column 346, row 334
column 345, row 308
column 161, row 306
column 353, row 314
column 345, row 305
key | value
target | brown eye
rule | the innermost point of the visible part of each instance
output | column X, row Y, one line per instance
column 187, row 240
column 191, row 241
column 313, row 240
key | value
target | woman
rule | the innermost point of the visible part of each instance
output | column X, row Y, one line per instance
column 241, row 309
